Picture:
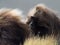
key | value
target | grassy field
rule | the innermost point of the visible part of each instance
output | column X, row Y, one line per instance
column 48, row 40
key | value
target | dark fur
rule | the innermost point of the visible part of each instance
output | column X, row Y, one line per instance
column 12, row 31
column 44, row 22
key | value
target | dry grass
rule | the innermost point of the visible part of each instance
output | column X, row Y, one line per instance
column 48, row 40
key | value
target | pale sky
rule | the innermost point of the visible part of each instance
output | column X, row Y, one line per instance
column 25, row 5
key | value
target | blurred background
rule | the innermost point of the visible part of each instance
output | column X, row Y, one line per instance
column 25, row 5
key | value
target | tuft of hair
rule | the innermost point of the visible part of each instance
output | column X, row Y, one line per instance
column 47, row 40
column 12, row 30
column 33, row 10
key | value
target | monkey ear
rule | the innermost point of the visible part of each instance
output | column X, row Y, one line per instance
column 39, row 10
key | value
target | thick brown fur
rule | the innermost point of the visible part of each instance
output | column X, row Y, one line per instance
column 43, row 21
column 12, row 30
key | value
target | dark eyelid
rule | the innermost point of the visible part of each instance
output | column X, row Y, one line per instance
column 32, row 17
